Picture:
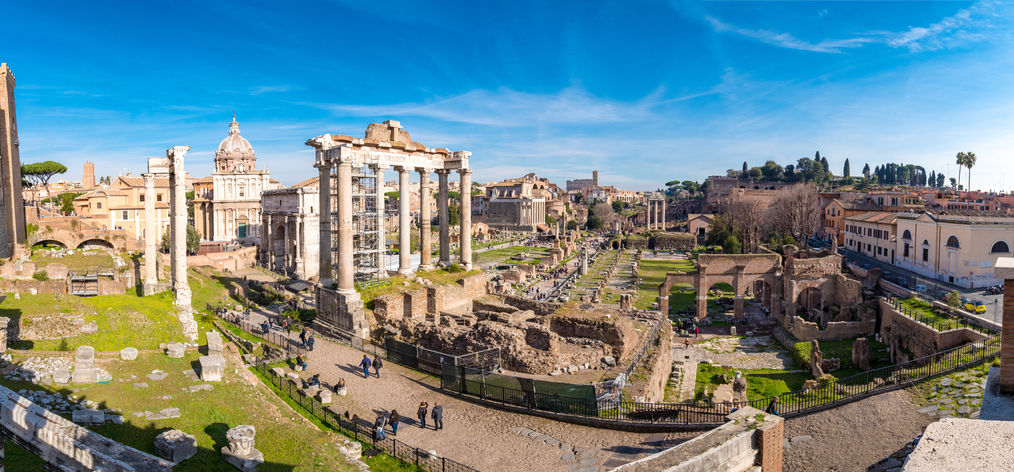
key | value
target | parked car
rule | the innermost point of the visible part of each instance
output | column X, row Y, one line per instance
column 979, row 306
column 967, row 304
column 920, row 288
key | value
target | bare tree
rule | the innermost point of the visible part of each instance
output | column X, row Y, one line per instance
column 796, row 211
column 747, row 217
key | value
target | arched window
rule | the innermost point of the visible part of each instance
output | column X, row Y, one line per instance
column 906, row 235
column 1000, row 247
column 952, row 241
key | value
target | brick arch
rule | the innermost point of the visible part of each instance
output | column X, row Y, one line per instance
column 738, row 270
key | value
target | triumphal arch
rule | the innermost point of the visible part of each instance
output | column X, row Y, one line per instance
column 352, row 215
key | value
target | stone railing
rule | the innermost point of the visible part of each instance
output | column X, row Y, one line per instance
column 66, row 446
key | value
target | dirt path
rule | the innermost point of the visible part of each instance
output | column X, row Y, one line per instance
column 473, row 435
column 852, row 437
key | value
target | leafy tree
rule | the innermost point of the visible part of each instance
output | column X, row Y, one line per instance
column 755, row 174
column 720, row 231
column 193, row 240
column 593, row 223
column 453, row 214
column 954, row 297
column 39, row 173
column 772, row 171
column 578, row 197
column 66, row 201
column 790, row 173
column 810, row 170
column 940, row 180
column 690, row 186
column 846, row 171
column 823, row 162
column 732, row 245
column 954, row 182
column 744, row 167
column 550, row 221
column 618, row 205
column 571, row 225
column 190, row 204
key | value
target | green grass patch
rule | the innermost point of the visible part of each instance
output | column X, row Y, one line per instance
column 841, row 349
column 511, row 255
column 77, row 262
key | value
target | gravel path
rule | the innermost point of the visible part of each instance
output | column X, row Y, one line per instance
column 852, row 437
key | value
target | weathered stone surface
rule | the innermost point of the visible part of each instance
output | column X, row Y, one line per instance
column 816, row 357
column 175, row 350
column 325, row 396
column 175, row 445
column 861, row 354
column 278, row 371
column 157, row 375
column 88, row 415
column 62, row 376
column 128, row 353
column 212, row 368
column 241, row 452
column 214, row 343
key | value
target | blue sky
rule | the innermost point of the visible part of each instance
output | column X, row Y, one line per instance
column 645, row 92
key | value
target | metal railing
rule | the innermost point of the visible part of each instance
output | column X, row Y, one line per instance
column 827, row 394
column 935, row 321
column 274, row 335
column 360, row 430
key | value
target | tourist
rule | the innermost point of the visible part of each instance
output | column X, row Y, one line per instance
column 438, row 416
column 302, row 337
column 265, row 327
column 423, row 407
column 339, row 387
column 379, row 425
column 377, row 364
column 686, row 343
column 395, row 418
column 314, row 381
column 365, row 364
column 772, row 407
column 300, row 363
column 310, row 341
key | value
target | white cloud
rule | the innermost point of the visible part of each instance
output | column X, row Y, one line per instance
column 786, row 40
column 271, row 89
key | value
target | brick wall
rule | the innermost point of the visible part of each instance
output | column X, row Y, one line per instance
column 1006, row 382
column 769, row 440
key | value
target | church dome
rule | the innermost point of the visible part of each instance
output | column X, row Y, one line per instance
column 234, row 146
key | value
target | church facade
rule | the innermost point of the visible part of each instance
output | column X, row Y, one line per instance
column 227, row 205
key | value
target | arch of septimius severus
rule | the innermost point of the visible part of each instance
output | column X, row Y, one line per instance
column 352, row 232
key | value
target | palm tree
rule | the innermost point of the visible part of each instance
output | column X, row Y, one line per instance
column 969, row 163
column 960, row 161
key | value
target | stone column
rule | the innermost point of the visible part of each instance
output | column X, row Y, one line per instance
column 150, row 235
column 346, row 274
column 265, row 240
column 647, row 215
column 445, row 239
column 663, row 215
column 298, row 262
column 286, row 244
column 381, row 224
column 268, row 246
column 465, row 236
column 404, row 223
column 426, row 248
column 178, row 241
column 324, row 262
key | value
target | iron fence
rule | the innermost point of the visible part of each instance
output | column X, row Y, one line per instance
column 274, row 334
column 361, row 430
column 827, row 394
column 934, row 321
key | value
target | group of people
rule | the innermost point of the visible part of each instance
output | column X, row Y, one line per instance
column 366, row 363
column 307, row 339
column 383, row 420
column 687, row 328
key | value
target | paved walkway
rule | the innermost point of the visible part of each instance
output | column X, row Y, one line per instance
column 470, row 428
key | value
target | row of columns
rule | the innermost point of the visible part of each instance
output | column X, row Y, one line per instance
column 655, row 217
column 345, row 271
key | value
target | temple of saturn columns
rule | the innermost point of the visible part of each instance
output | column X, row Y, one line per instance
column 352, row 230
column 172, row 165
column 655, row 212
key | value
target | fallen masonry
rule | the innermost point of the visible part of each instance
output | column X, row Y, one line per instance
column 175, row 445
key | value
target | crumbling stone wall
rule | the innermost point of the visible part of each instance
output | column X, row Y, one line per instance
column 808, row 330
column 909, row 339
column 618, row 333
column 540, row 308
column 659, row 367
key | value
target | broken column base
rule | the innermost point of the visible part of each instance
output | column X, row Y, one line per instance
column 341, row 315
column 152, row 288
column 247, row 463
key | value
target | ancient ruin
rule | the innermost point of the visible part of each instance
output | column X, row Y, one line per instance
column 241, row 452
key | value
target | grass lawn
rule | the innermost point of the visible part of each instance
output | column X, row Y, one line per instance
column 927, row 312
column 652, row 273
column 841, row 349
column 511, row 255
column 76, row 262
column 760, row 383
column 287, row 440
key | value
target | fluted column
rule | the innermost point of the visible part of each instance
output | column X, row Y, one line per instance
column 425, row 248
column 346, row 271
column 663, row 215
column 150, row 235
column 299, row 235
column 465, row 235
column 324, row 261
column 266, row 243
column 178, row 242
column 404, row 223
column 445, row 240
column 381, row 224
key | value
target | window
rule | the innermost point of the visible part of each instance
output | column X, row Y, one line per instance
column 142, row 197
column 952, row 241
column 925, row 254
column 98, row 205
column 125, row 213
column 905, row 251
column 158, row 198
column 1000, row 247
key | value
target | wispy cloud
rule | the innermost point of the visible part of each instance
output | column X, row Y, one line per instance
column 506, row 107
column 967, row 25
column 271, row 89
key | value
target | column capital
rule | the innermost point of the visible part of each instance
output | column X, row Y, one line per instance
column 424, row 171
column 149, row 178
column 402, row 169
column 464, row 171
column 443, row 171
column 379, row 167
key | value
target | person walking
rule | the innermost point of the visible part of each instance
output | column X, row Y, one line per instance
column 395, row 419
column 377, row 364
column 438, row 416
column 379, row 425
column 365, row 364
column 302, row 337
column 310, row 341
column 421, row 414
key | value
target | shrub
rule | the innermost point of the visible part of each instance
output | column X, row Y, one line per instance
column 40, row 275
column 954, row 299
column 454, row 268
column 675, row 241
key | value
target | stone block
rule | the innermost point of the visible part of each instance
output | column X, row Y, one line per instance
column 278, row 371
column 325, row 396
column 84, row 375
column 241, row 452
column 214, row 343
column 212, row 368
column 62, row 376
column 175, row 350
column 175, row 445
column 128, row 353
column 84, row 358
column 88, row 416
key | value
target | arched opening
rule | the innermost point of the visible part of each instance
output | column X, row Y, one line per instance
column 763, row 295
column 808, row 300
column 906, row 235
column 721, row 299
column 49, row 244
column 95, row 244
column 1000, row 247
column 952, row 242
column 278, row 248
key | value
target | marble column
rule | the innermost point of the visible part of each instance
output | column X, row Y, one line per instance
column 346, row 271
column 324, row 262
column 266, row 245
column 465, row 235
column 445, row 239
column 381, row 224
column 663, row 215
column 426, row 248
column 404, row 223
column 150, row 235
column 178, row 241
column 297, row 266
